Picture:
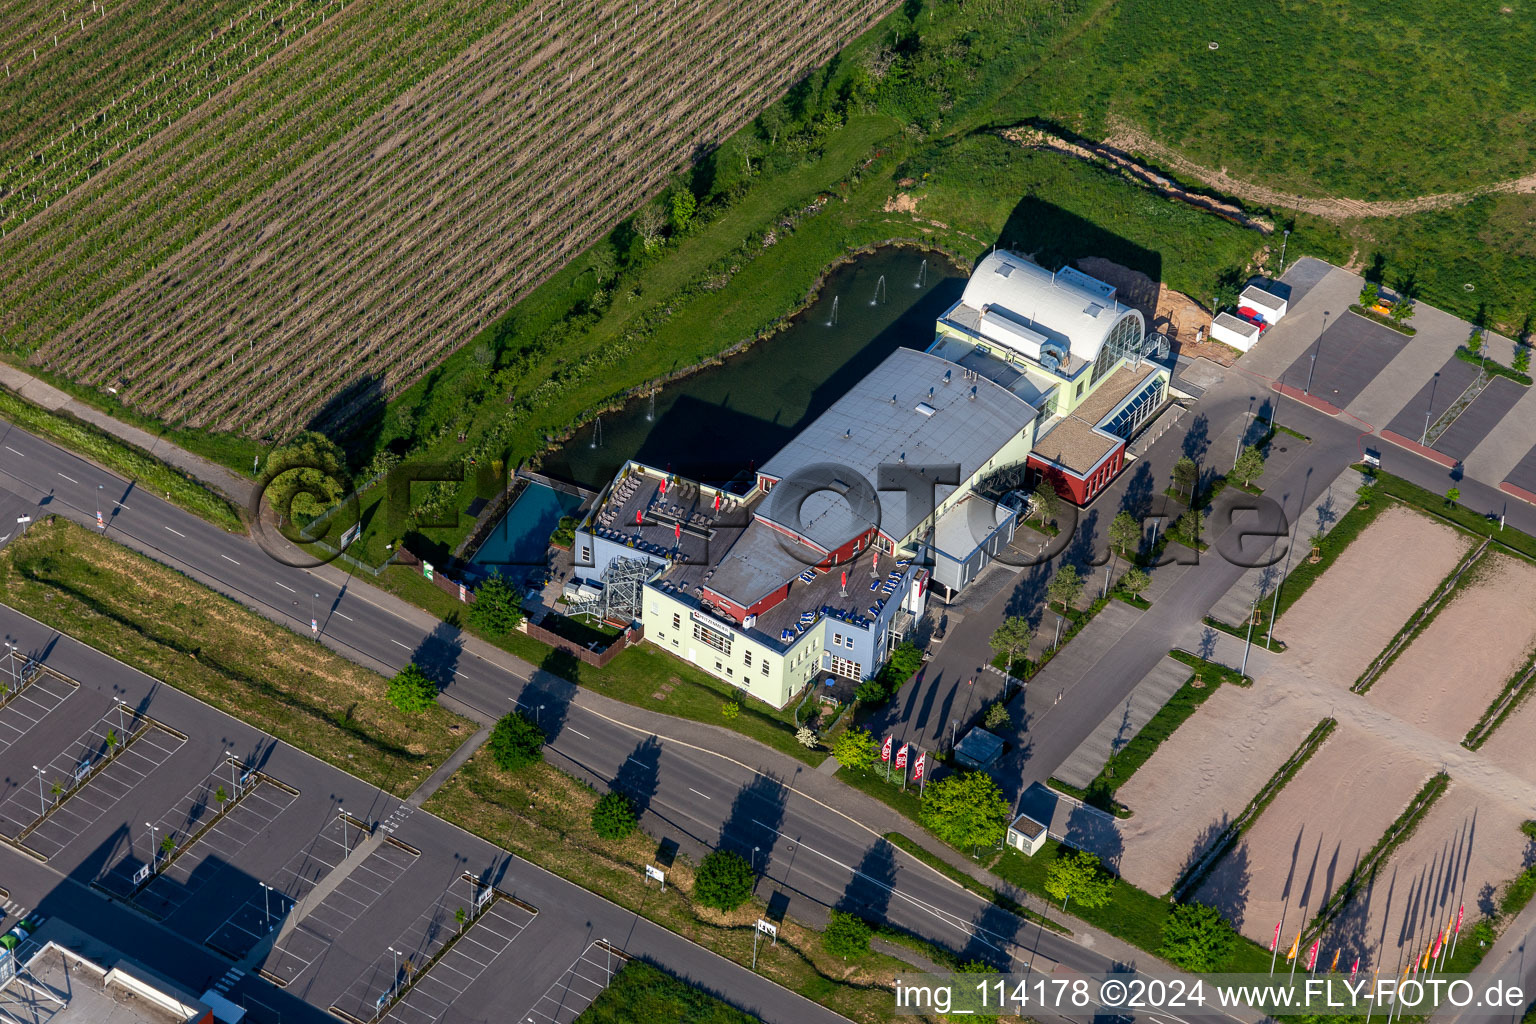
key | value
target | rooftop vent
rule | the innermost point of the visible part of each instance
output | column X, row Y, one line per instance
column 947, row 374
column 973, row 393
column 1004, row 269
column 893, row 399
column 902, row 458
column 1094, row 309
column 925, row 409
column 847, row 433
column 930, row 392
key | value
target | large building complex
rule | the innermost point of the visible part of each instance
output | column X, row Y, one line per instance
column 909, row 481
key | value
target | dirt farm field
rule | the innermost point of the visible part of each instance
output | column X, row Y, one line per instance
column 1306, row 842
column 1202, row 776
column 1465, row 843
column 1332, row 631
column 1453, row 670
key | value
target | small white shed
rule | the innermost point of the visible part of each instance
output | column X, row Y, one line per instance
column 1234, row 331
column 1026, row 835
column 1266, row 303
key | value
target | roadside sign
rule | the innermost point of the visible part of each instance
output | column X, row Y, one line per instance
column 483, row 897
column 82, row 770
column 140, row 875
column 651, row 871
column 426, row 569
column 768, row 928
column 1372, row 457
column 463, row 595
column 353, row 532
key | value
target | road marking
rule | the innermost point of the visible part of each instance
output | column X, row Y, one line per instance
column 228, row 559
column 642, row 764
column 13, row 451
column 178, row 533
column 346, row 616
column 70, row 479
column 706, row 796
column 286, row 587
column 397, row 643
column 581, row 734
column 120, row 505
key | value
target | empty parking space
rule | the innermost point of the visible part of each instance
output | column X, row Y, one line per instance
column 1480, row 418
column 264, row 907
column 37, row 699
column 436, row 927
column 468, row 958
column 338, row 911
column 1433, row 399
column 1348, row 356
column 1523, row 475
column 80, row 792
column 582, row 982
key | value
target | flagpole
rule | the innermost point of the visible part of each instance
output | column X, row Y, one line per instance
column 1371, row 1003
column 1274, row 952
column 1457, row 933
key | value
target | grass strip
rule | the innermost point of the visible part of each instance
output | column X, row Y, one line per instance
column 1396, row 834
column 1489, row 366
column 642, row 991
column 635, row 676
column 1474, row 522
column 173, row 628
column 545, row 816
column 1385, row 321
column 1427, row 613
column 975, row 885
column 1123, row 763
column 89, row 441
column 1198, row 870
column 1505, row 704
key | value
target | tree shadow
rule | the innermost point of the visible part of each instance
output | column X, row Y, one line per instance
column 868, row 893
column 1139, row 488
column 1197, row 441
column 1091, row 829
column 752, row 827
column 992, row 932
column 1207, row 645
column 1226, row 888
column 637, row 777
column 562, row 663
column 438, row 654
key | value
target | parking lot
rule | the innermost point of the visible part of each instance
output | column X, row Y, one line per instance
column 1348, row 356
column 583, row 982
column 36, row 701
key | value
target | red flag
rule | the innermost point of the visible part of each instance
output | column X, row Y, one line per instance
column 1312, row 956
column 717, row 501
column 885, row 750
column 1274, row 943
column 1355, row 969
column 1435, row 951
column 677, row 531
column 663, row 485
column 639, row 517
column 901, row 756
column 917, row 773
column 1459, row 911
column 845, row 577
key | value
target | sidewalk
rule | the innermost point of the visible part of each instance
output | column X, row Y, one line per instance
column 230, row 484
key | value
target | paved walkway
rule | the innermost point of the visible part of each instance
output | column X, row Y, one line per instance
column 1119, row 728
column 41, row 393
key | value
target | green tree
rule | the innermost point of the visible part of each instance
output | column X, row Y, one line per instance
column 1134, row 581
column 872, row 691
column 846, row 935
column 1452, row 496
column 112, row 741
column 683, row 207
column 516, row 742
column 498, row 607
column 411, row 691
column 855, row 748
column 1125, row 532
column 1047, row 502
column 167, row 844
column 1066, row 586
column 1369, row 294
column 1474, row 340
column 724, row 880
column 1402, row 310
column 1077, row 875
column 1522, row 361
column 1249, row 464
column 997, row 716
column 219, row 795
column 966, row 810
column 1189, row 527
column 1011, row 638
column 1186, row 475
column 1197, row 937
column 459, row 917
column 305, row 477
column 613, row 816
column 730, row 709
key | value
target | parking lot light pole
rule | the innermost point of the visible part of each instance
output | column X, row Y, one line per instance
column 266, row 899
column 154, row 847
column 1283, row 242
column 1248, row 644
column 122, row 723
column 10, row 659
column 394, row 979
column 234, row 786
column 1315, row 350
column 42, row 801
column 341, row 816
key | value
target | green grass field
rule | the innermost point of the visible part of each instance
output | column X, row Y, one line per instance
column 640, row 992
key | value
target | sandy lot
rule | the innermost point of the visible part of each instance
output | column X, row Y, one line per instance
column 1203, row 775
column 1464, row 844
column 1308, row 840
column 1453, row 670
column 1511, row 744
column 1334, row 631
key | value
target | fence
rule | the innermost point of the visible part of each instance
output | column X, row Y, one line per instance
column 598, row 659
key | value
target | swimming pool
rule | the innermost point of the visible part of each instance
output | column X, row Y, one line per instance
column 517, row 545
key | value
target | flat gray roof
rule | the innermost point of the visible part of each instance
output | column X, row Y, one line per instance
column 905, row 409
column 761, row 561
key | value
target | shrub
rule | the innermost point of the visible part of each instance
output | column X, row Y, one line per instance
column 730, row 710
column 1197, row 937
column 411, row 691
column 855, row 748
column 1077, row 875
column 613, row 817
column 997, row 716
column 806, row 737
column 724, row 880
column 872, row 691
column 498, row 608
column 516, row 742
column 846, row 935
column 966, row 810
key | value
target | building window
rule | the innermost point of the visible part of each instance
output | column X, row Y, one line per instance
column 837, row 639
column 677, row 621
column 730, row 671
column 847, row 669
column 586, row 555
column 848, row 641
column 674, row 641
column 717, row 666
column 1080, row 389
column 713, row 638
column 765, row 668
column 746, row 656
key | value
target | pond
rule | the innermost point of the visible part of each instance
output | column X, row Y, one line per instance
column 721, row 422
